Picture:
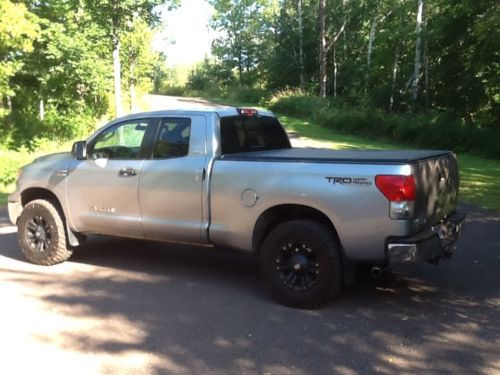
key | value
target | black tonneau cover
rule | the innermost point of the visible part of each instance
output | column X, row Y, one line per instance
column 316, row 155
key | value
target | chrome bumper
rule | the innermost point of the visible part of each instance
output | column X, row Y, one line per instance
column 431, row 245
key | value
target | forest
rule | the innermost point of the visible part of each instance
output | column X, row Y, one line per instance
column 413, row 73
column 57, row 63
column 421, row 71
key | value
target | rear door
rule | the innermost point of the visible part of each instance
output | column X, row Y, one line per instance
column 172, row 179
column 102, row 190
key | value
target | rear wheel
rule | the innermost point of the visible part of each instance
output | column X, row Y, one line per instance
column 41, row 234
column 301, row 262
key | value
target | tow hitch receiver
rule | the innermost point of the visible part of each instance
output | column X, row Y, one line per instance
column 430, row 245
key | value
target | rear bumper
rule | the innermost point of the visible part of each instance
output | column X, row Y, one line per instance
column 431, row 244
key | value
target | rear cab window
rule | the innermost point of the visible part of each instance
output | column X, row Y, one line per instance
column 253, row 132
column 173, row 138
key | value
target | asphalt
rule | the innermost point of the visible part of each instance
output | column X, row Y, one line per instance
column 122, row 306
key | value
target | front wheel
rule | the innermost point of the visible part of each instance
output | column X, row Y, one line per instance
column 41, row 234
column 301, row 262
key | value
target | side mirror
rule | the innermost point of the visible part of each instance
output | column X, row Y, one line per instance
column 79, row 150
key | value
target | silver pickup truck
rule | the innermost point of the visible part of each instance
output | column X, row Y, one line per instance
column 229, row 177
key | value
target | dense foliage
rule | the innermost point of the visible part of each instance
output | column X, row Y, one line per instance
column 439, row 57
column 425, row 129
column 56, row 64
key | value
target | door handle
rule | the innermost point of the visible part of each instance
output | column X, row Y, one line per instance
column 127, row 172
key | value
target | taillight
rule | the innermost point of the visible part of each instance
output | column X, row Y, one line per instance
column 396, row 188
column 400, row 191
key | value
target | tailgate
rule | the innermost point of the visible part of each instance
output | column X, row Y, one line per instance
column 437, row 182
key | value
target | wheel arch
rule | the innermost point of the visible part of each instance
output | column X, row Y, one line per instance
column 276, row 215
column 33, row 193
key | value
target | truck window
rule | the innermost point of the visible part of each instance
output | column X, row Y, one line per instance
column 173, row 138
column 251, row 133
column 122, row 141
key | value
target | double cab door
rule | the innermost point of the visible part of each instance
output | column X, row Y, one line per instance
column 142, row 178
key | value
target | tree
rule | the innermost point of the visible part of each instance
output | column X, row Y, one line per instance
column 115, row 17
column 138, row 59
column 325, row 44
column 18, row 30
column 418, row 50
column 244, row 25
column 64, row 78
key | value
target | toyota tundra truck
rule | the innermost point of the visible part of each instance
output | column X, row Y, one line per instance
column 229, row 177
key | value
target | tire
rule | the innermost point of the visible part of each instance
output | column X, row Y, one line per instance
column 302, row 264
column 41, row 234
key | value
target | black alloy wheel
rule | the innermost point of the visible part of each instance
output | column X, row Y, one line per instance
column 297, row 265
column 38, row 234
column 42, row 234
column 302, row 264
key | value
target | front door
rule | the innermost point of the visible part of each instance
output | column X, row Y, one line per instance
column 102, row 190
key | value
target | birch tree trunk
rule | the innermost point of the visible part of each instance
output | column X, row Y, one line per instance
column 117, row 74
column 425, row 59
column 426, row 76
column 418, row 32
column 395, row 69
column 371, row 39
column 133, row 105
column 41, row 110
column 301, row 46
column 322, row 49
column 335, row 71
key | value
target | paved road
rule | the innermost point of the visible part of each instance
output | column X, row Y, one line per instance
column 127, row 307
column 161, row 102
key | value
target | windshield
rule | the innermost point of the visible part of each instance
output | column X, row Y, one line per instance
column 252, row 133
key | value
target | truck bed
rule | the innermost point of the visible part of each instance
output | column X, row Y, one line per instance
column 313, row 155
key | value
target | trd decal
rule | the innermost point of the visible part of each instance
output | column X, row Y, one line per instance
column 336, row 180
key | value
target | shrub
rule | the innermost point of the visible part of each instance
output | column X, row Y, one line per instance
column 244, row 94
column 12, row 160
column 295, row 102
column 430, row 129
column 175, row 90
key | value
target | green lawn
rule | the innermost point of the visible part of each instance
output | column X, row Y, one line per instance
column 480, row 177
column 3, row 198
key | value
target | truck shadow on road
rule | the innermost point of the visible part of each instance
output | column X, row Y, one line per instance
column 199, row 310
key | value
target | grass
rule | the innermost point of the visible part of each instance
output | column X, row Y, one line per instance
column 480, row 177
column 3, row 198
column 329, row 138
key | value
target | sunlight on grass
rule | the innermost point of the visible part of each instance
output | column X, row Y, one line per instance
column 480, row 181
column 480, row 177
column 330, row 139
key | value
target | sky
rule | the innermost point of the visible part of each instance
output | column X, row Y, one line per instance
column 186, row 38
